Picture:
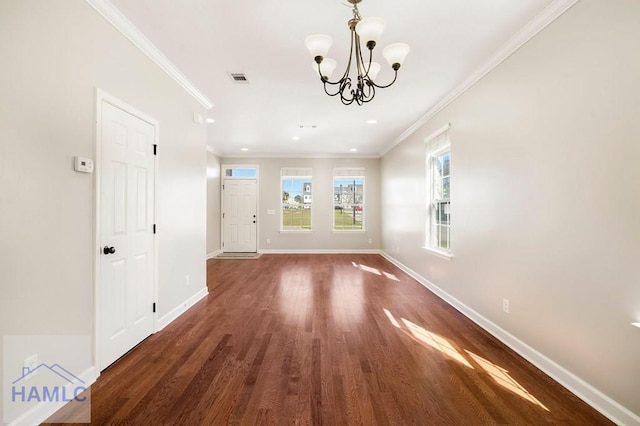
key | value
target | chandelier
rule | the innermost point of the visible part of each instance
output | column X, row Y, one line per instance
column 364, row 88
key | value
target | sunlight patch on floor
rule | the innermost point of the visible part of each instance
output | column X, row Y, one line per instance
column 391, row 276
column 392, row 319
column 498, row 374
column 502, row 377
column 436, row 342
column 375, row 271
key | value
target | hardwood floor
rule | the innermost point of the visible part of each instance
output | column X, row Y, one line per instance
column 326, row 339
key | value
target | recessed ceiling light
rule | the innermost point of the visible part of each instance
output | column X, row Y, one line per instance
column 210, row 120
column 296, row 138
column 353, row 149
column 372, row 121
column 244, row 149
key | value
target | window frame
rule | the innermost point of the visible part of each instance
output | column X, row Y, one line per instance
column 307, row 175
column 347, row 176
column 438, row 144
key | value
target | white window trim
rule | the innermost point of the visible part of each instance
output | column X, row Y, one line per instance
column 292, row 176
column 364, row 201
column 439, row 253
column 435, row 147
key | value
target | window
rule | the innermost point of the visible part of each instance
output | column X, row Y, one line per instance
column 296, row 186
column 348, row 199
column 242, row 172
column 438, row 229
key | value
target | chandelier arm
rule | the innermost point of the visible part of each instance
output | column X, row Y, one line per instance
column 359, row 61
column 385, row 86
column 366, row 74
column 371, row 89
column 342, row 83
column 353, row 40
column 346, row 87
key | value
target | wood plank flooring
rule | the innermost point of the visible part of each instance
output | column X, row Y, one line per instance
column 326, row 339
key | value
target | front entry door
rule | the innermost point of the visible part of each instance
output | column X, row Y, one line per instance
column 127, row 186
column 239, row 216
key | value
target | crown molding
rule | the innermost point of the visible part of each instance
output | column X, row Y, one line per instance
column 537, row 24
column 126, row 27
column 213, row 151
column 294, row 155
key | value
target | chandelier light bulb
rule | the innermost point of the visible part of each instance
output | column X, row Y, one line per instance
column 374, row 70
column 327, row 66
column 395, row 54
column 370, row 30
column 318, row 45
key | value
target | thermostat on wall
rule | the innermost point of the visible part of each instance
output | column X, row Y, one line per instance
column 84, row 165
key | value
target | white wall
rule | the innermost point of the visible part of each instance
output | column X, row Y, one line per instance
column 322, row 238
column 54, row 55
column 545, row 196
column 213, row 203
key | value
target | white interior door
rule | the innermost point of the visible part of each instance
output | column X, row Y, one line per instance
column 239, row 216
column 127, row 185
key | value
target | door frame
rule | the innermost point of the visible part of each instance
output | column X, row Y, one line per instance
column 100, row 97
column 223, row 168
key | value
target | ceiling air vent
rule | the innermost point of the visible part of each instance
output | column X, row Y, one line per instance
column 238, row 77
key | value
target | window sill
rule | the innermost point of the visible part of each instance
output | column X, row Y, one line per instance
column 296, row 231
column 437, row 253
column 348, row 231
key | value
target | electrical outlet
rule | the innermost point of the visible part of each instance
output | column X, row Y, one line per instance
column 505, row 306
column 268, row 240
column 370, row 241
column 187, row 279
column 30, row 364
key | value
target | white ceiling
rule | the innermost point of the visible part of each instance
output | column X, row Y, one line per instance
column 206, row 39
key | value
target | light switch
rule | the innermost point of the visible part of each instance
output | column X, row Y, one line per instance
column 271, row 212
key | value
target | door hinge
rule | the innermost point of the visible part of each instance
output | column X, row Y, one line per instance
column 154, row 228
column 155, row 149
column 154, row 306
column 223, row 187
column 223, row 215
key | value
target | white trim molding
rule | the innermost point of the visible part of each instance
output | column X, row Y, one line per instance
column 213, row 254
column 537, row 24
column 583, row 390
column 260, row 155
column 43, row 410
column 168, row 318
column 135, row 36
column 213, row 151
column 319, row 251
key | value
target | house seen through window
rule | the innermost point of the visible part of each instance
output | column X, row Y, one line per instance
column 296, row 190
column 348, row 200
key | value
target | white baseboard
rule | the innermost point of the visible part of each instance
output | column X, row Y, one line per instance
column 168, row 318
column 319, row 251
column 583, row 390
column 213, row 254
column 44, row 410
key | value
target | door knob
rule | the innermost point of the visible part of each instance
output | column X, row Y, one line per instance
column 108, row 250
